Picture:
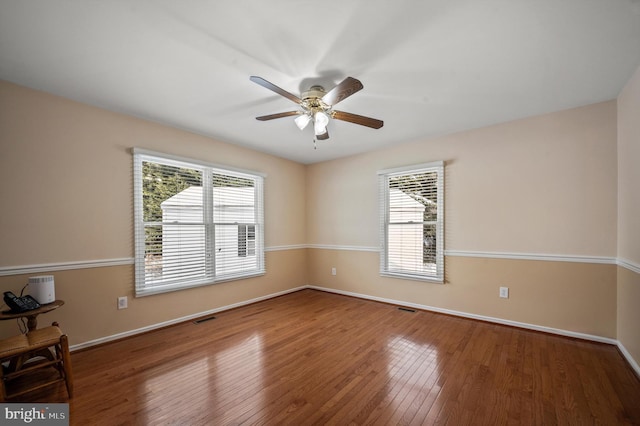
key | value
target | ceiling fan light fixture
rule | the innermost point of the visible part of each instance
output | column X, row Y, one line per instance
column 321, row 119
column 302, row 121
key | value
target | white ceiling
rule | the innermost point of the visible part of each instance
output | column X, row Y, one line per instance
column 428, row 67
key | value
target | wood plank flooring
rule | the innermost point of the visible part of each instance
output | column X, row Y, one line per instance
column 315, row 358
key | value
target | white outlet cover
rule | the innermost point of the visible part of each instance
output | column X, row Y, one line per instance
column 504, row 292
column 122, row 302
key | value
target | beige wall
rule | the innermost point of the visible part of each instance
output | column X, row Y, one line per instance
column 629, row 216
column 541, row 185
column 571, row 296
column 67, row 197
column 90, row 297
column 629, row 170
column 628, row 332
column 544, row 185
column 67, row 179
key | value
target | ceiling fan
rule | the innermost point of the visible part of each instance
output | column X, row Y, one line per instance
column 317, row 106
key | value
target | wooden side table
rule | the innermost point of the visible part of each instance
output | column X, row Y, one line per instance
column 32, row 323
column 32, row 315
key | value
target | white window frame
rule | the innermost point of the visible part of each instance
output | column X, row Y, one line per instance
column 386, row 269
column 143, row 288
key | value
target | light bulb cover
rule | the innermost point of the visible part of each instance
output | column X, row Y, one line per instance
column 302, row 121
column 321, row 120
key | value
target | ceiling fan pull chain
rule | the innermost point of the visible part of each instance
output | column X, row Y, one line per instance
column 314, row 144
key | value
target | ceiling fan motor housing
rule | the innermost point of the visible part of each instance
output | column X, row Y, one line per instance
column 312, row 99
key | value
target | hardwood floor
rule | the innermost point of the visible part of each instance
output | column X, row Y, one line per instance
column 318, row 358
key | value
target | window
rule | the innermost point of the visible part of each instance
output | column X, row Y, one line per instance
column 195, row 223
column 411, row 222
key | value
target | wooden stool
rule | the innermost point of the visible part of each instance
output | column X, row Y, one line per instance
column 19, row 350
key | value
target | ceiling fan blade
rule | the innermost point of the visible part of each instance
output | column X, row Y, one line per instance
column 323, row 136
column 346, row 88
column 357, row 119
column 264, row 83
column 278, row 115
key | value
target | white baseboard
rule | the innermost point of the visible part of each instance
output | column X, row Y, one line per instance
column 629, row 359
column 632, row 362
column 179, row 320
column 551, row 330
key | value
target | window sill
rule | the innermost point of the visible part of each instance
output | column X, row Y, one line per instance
column 413, row 277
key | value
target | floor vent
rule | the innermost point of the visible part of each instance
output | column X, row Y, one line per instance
column 406, row 309
column 201, row 320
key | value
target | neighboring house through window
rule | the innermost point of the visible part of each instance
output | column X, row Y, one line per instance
column 246, row 240
column 196, row 223
column 411, row 222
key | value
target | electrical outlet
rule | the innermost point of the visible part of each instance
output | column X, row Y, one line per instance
column 122, row 302
column 333, row 271
column 504, row 292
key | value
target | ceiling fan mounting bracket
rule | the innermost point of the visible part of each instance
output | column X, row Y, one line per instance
column 314, row 92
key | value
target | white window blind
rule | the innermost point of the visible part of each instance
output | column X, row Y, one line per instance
column 195, row 223
column 411, row 222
